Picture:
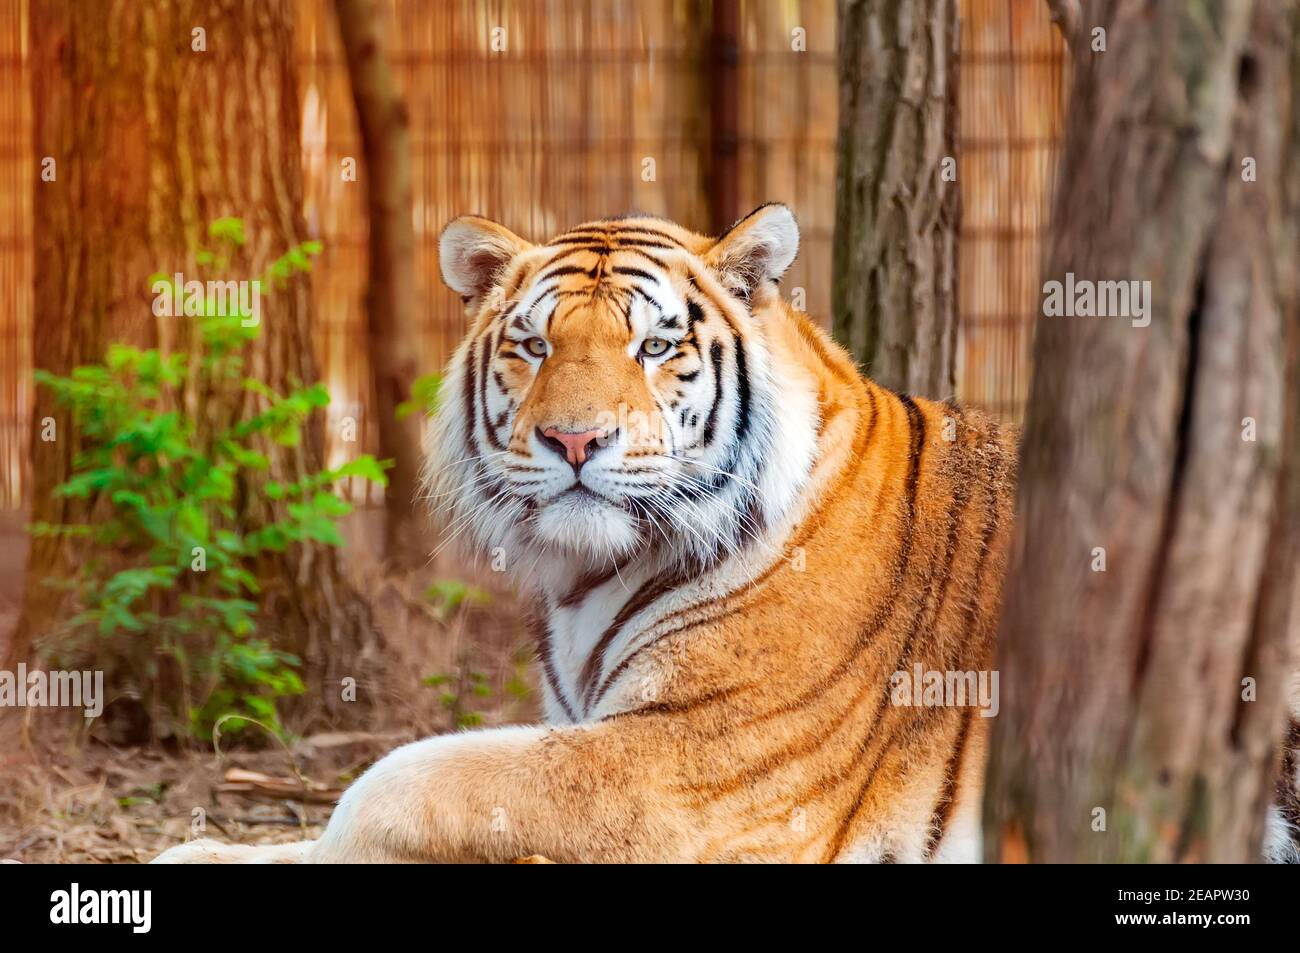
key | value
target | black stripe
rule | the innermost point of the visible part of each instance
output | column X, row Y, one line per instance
column 566, row 270
column 650, row 591
column 916, row 424
column 569, row 253
column 742, row 391
column 694, row 314
column 645, row 244
column 587, row 582
column 576, row 240
column 622, row 232
column 625, row 233
column 617, row 671
column 634, row 273
column 483, row 382
column 640, row 293
column 713, row 302
column 542, row 634
column 468, row 414
column 991, row 526
column 715, row 355
column 948, row 792
column 624, row 308
column 657, row 262
column 916, row 434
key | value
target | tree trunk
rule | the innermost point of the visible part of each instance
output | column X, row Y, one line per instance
column 1151, row 686
column 390, row 298
column 153, row 140
column 897, row 205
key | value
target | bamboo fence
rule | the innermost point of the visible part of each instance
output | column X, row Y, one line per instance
column 545, row 113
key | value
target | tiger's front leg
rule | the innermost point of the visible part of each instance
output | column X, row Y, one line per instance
column 589, row 793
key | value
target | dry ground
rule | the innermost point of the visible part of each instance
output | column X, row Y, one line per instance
column 79, row 802
column 68, row 795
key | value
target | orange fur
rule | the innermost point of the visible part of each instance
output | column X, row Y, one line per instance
column 753, row 721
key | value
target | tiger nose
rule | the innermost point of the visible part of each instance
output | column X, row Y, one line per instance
column 574, row 447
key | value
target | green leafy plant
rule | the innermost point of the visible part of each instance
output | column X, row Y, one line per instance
column 424, row 396
column 449, row 595
column 457, row 689
column 172, row 445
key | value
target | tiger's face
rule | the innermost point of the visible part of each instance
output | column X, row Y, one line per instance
column 615, row 393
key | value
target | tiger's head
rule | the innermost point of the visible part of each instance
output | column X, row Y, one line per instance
column 618, row 394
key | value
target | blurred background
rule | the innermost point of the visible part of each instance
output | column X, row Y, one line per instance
column 552, row 131
column 320, row 146
column 539, row 114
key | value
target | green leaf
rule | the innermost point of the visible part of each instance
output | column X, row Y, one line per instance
column 425, row 393
column 228, row 229
column 366, row 467
column 450, row 594
column 169, row 475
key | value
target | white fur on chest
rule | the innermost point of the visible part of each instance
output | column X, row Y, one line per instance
column 576, row 633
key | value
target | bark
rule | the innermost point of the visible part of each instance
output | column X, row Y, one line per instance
column 1067, row 15
column 894, row 264
column 384, row 124
column 1123, row 689
column 153, row 140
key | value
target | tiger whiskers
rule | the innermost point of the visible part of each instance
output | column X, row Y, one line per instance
column 464, row 521
column 470, row 459
column 432, row 480
column 480, row 479
column 712, row 469
column 748, row 529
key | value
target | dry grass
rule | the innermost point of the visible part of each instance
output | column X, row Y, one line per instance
column 65, row 800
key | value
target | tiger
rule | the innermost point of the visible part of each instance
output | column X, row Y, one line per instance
column 754, row 572
column 737, row 547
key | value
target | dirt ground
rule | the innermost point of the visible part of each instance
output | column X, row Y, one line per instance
column 82, row 802
column 67, row 795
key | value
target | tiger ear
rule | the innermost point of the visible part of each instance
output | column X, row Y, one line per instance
column 758, row 248
column 473, row 251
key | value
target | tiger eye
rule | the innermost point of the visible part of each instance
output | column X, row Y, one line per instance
column 653, row 347
column 536, row 347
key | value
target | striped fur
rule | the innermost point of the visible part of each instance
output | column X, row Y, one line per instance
column 727, row 652
column 722, row 607
column 720, row 612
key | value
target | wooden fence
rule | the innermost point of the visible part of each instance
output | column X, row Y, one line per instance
column 544, row 113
